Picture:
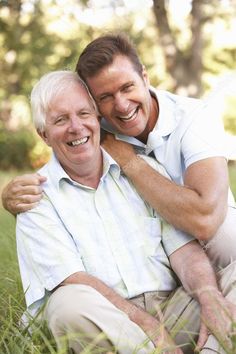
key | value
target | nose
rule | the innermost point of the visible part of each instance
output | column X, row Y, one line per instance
column 75, row 124
column 121, row 103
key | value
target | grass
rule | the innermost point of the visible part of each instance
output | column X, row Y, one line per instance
column 232, row 177
column 14, row 339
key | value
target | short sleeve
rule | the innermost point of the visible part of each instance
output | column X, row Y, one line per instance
column 173, row 238
column 46, row 251
column 204, row 137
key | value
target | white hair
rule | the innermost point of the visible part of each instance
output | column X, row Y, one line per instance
column 47, row 88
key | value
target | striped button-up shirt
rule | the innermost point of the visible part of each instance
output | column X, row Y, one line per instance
column 108, row 232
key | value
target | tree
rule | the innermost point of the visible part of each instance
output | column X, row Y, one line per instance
column 28, row 50
column 186, row 62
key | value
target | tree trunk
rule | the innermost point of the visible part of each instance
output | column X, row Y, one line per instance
column 185, row 67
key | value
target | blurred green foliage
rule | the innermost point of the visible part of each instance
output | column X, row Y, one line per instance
column 37, row 36
column 15, row 148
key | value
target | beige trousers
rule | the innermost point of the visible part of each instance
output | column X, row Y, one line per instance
column 80, row 317
column 221, row 249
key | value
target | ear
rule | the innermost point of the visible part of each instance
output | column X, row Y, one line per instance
column 145, row 76
column 43, row 135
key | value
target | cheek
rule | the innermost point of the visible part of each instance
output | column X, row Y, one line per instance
column 105, row 109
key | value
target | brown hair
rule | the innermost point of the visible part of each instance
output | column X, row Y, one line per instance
column 102, row 51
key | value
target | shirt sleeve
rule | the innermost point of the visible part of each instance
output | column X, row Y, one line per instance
column 205, row 136
column 172, row 238
column 46, row 251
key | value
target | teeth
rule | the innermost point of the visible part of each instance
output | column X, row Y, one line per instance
column 130, row 116
column 79, row 141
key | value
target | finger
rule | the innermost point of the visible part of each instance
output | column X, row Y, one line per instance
column 21, row 208
column 29, row 199
column 28, row 179
column 22, row 203
column 203, row 336
column 42, row 179
column 19, row 191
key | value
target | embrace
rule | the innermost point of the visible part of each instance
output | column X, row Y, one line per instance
column 131, row 243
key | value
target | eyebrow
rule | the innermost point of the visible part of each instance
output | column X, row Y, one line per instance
column 120, row 88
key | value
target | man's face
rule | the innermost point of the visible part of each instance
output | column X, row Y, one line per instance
column 123, row 97
column 72, row 129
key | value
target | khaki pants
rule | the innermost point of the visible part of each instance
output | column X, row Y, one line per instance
column 79, row 316
column 221, row 249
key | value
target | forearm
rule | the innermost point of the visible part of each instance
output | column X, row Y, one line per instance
column 195, row 271
column 121, row 303
column 150, row 325
column 197, row 276
column 182, row 206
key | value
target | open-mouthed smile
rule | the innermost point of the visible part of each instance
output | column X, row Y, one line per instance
column 79, row 141
column 132, row 115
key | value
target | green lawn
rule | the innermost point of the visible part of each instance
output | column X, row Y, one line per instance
column 13, row 339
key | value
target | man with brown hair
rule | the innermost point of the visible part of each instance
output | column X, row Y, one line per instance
column 185, row 135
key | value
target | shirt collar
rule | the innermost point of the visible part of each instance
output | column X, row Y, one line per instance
column 58, row 174
column 168, row 117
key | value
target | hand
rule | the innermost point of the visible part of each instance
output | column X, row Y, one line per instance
column 22, row 193
column 218, row 315
column 155, row 330
column 165, row 344
column 121, row 151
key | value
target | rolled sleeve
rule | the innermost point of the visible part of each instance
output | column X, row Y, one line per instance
column 173, row 238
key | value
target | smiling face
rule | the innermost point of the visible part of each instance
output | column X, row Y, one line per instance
column 123, row 98
column 72, row 130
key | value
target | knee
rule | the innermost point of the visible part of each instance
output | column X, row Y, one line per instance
column 69, row 305
column 221, row 249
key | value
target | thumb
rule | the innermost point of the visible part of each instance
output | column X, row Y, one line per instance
column 203, row 336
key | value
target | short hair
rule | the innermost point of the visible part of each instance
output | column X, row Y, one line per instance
column 48, row 87
column 102, row 51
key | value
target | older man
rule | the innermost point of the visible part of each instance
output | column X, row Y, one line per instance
column 102, row 260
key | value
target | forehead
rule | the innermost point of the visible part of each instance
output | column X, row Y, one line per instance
column 121, row 64
column 118, row 72
column 75, row 95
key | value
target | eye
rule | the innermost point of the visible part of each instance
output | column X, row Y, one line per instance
column 61, row 120
column 104, row 98
column 128, row 87
column 86, row 114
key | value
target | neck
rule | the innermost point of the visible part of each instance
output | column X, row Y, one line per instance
column 153, row 117
column 89, row 173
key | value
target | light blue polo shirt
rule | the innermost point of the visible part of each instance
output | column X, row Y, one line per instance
column 187, row 130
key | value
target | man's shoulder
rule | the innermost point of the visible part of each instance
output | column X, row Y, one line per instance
column 180, row 100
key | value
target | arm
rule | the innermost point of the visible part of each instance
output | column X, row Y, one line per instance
column 49, row 258
column 22, row 193
column 150, row 325
column 198, row 278
column 198, row 207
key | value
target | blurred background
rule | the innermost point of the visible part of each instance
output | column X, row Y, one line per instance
column 188, row 49
column 187, row 46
